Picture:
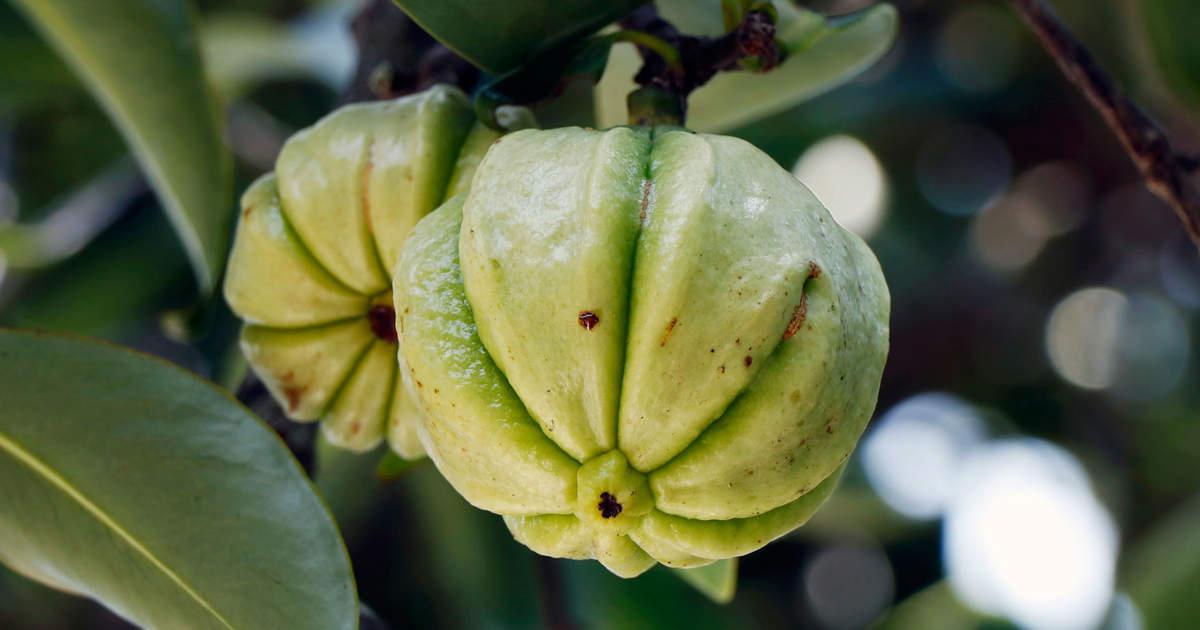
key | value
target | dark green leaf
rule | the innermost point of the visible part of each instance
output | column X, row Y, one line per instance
column 141, row 60
column 500, row 36
column 131, row 481
column 1162, row 570
column 392, row 466
column 544, row 77
column 1171, row 31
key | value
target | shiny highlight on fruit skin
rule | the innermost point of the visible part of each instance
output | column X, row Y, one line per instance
column 734, row 361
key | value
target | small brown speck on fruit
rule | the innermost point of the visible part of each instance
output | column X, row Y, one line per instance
column 748, row 360
column 667, row 334
column 588, row 319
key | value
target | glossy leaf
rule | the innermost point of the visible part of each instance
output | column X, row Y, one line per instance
column 500, row 36
column 141, row 60
column 718, row 581
column 128, row 480
column 1171, row 27
column 822, row 54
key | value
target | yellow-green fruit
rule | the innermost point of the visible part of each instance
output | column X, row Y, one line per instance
column 640, row 345
column 310, row 271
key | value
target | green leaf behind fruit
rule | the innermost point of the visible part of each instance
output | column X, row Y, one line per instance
column 822, row 54
column 718, row 581
column 499, row 36
column 141, row 60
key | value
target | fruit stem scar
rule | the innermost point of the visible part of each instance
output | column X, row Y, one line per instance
column 609, row 507
column 382, row 319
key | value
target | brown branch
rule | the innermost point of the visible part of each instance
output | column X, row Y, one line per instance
column 1166, row 173
column 749, row 46
column 396, row 57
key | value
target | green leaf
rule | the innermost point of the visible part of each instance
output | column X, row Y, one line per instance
column 822, row 54
column 1162, row 569
column 140, row 58
column 392, row 466
column 543, row 77
column 1171, row 28
column 500, row 36
column 128, row 480
column 718, row 581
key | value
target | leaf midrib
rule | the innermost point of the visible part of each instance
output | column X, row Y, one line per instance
column 44, row 471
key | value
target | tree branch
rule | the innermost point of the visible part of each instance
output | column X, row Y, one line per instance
column 1166, row 173
column 396, row 57
column 750, row 46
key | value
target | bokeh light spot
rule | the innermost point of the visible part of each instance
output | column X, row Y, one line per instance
column 1026, row 538
column 848, row 586
column 1137, row 348
column 845, row 175
column 961, row 168
column 1081, row 336
column 912, row 454
column 978, row 48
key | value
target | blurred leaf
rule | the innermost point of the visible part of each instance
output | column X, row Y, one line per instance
column 241, row 51
column 718, row 581
column 655, row 599
column 392, row 466
column 1171, row 32
column 107, row 289
column 499, row 36
column 1162, row 570
column 822, row 54
column 934, row 608
column 141, row 59
column 74, row 222
column 158, row 495
column 40, row 77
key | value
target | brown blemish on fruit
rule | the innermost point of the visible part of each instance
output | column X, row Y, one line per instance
column 748, row 360
column 355, row 427
column 814, row 271
column 798, row 316
column 721, row 369
column 609, row 507
column 667, row 334
column 795, row 395
column 366, row 187
column 247, row 210
column 646, row 188
column 293, row 395
column 588, row 319
column 383, row 322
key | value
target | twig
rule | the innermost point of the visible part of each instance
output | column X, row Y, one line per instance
column 750, row 45
column 1166, row 173
column 555, row 611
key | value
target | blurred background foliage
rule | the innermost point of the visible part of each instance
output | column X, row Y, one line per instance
column 1035, row 456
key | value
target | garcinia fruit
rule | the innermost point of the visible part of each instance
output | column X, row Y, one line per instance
column 639, row 345
column 310, row 268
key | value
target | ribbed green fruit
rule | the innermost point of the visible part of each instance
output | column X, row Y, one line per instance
column 639, row 345
column 310, row 268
